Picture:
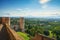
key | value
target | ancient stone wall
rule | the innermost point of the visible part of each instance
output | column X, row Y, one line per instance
column 41, row 37
column 6, row 33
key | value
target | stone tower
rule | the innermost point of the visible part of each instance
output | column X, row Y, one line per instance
column 21, row 24
column 5, row 20
column 0, row 20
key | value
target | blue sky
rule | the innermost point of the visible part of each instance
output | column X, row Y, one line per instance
column 30, row 8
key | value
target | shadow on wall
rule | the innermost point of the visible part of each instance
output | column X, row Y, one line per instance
column 3, row 34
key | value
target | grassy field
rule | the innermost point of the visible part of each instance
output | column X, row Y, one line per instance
column 50, row 34
column 24, row 35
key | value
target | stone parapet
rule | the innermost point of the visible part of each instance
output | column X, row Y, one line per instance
column 41, row 37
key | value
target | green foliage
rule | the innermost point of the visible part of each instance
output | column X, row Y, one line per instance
column 33, row 25
column 24, row 35
column 46, row 33
column 14, row 21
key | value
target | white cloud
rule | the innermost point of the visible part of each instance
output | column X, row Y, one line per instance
column 44, row 6
column 44, row 1
column 19, row 9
